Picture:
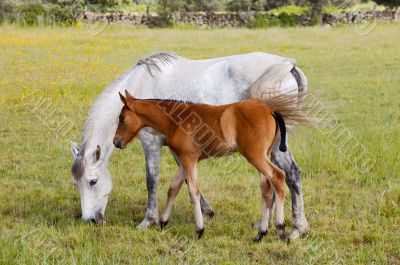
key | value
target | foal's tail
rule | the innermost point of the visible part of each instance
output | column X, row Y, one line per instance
column 282, row 127
column 288, row 109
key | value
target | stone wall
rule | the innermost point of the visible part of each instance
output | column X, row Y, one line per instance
column 228, row 19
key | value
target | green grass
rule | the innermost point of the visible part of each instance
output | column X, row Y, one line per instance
column 354, row 217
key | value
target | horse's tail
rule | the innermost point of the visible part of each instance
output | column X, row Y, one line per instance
column 277, row 79
column 289, row 109
column 290, row 106
column 282, row 128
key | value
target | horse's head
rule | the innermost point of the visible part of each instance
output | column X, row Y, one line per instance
column 129, row 124
column 93, row 180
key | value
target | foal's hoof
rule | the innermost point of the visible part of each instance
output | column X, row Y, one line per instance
column 259, row 236
column 199, row 233
column 163, row 223
column 208, row 213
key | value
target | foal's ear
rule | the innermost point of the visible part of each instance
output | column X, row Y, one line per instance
column 74, row 149
column 128, row 95
column 122, row 98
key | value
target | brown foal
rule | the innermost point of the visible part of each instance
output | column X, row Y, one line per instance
column 198, row 131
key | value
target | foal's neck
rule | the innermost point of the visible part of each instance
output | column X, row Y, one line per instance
column 158, row 114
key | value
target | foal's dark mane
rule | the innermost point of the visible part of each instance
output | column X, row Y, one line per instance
column 171, row 100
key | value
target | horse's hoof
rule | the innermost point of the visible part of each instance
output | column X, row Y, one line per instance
column 163, row 223
column 199, row 233
column 298, row 231
column 256, row 226
column 259, row 236
column 147, row 223
column 208, row 213
column 282, row 235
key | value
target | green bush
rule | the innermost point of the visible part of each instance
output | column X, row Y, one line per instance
column 163, row 20
column 7, row 11
column 29, row 13
column 290, row 10
column 100, row 5
column 65, row 12
column 287, row 20
column 244, row 5
column 259, row 21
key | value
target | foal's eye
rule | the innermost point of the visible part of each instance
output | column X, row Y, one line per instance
column 93, row 182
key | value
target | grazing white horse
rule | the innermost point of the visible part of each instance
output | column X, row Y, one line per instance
column 168, row 76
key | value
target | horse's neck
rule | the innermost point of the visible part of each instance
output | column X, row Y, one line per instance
column 102, row 121
column 154, row 114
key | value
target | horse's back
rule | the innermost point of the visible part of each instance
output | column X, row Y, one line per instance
column 215, row 81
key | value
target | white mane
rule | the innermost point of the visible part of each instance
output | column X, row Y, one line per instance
column 108, row 101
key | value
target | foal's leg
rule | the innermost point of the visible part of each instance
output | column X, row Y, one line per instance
column 256, row 226
column 266, row 191
column 190, row 168
column 172, row 192
column 277, row 178
column 286, row 162
column 152, row 144
column 206, row 208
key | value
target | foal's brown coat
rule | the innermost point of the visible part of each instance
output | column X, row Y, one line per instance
column 199, row 131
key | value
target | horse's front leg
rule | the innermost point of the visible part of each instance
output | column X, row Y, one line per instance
column 152, row 144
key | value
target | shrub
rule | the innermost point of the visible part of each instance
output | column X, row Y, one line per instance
column 287, row 20
column 259, row 21
column 163, row 20
column 331, row 10
column 29, row 13
column 65, row 12
column 243, row 5
column 100, row 5
column 7, row 11
column 290, row 10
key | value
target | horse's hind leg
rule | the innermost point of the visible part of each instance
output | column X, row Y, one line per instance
column 172, row 192
column 287, row 163
column 206, row 208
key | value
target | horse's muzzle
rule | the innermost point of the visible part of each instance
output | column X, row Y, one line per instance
column 98, row 219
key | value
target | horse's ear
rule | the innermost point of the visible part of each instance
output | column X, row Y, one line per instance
column 74, row 149
column 123, row 99
column 97, row 153
column 94, row 156
column 128, row 95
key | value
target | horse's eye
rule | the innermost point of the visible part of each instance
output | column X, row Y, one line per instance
column 93, row 182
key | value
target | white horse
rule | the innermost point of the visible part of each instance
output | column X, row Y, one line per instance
column 168, row 76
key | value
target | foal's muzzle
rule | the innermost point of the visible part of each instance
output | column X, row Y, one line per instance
column 118, row 143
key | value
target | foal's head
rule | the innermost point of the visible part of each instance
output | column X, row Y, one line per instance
column 129, row 124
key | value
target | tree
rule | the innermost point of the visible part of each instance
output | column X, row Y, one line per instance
column 245, row 5
column 390, row 3
column 316, row 10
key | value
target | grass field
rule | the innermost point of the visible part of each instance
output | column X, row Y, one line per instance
column 354, row 214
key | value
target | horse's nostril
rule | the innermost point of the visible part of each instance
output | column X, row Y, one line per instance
column 93, row 221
